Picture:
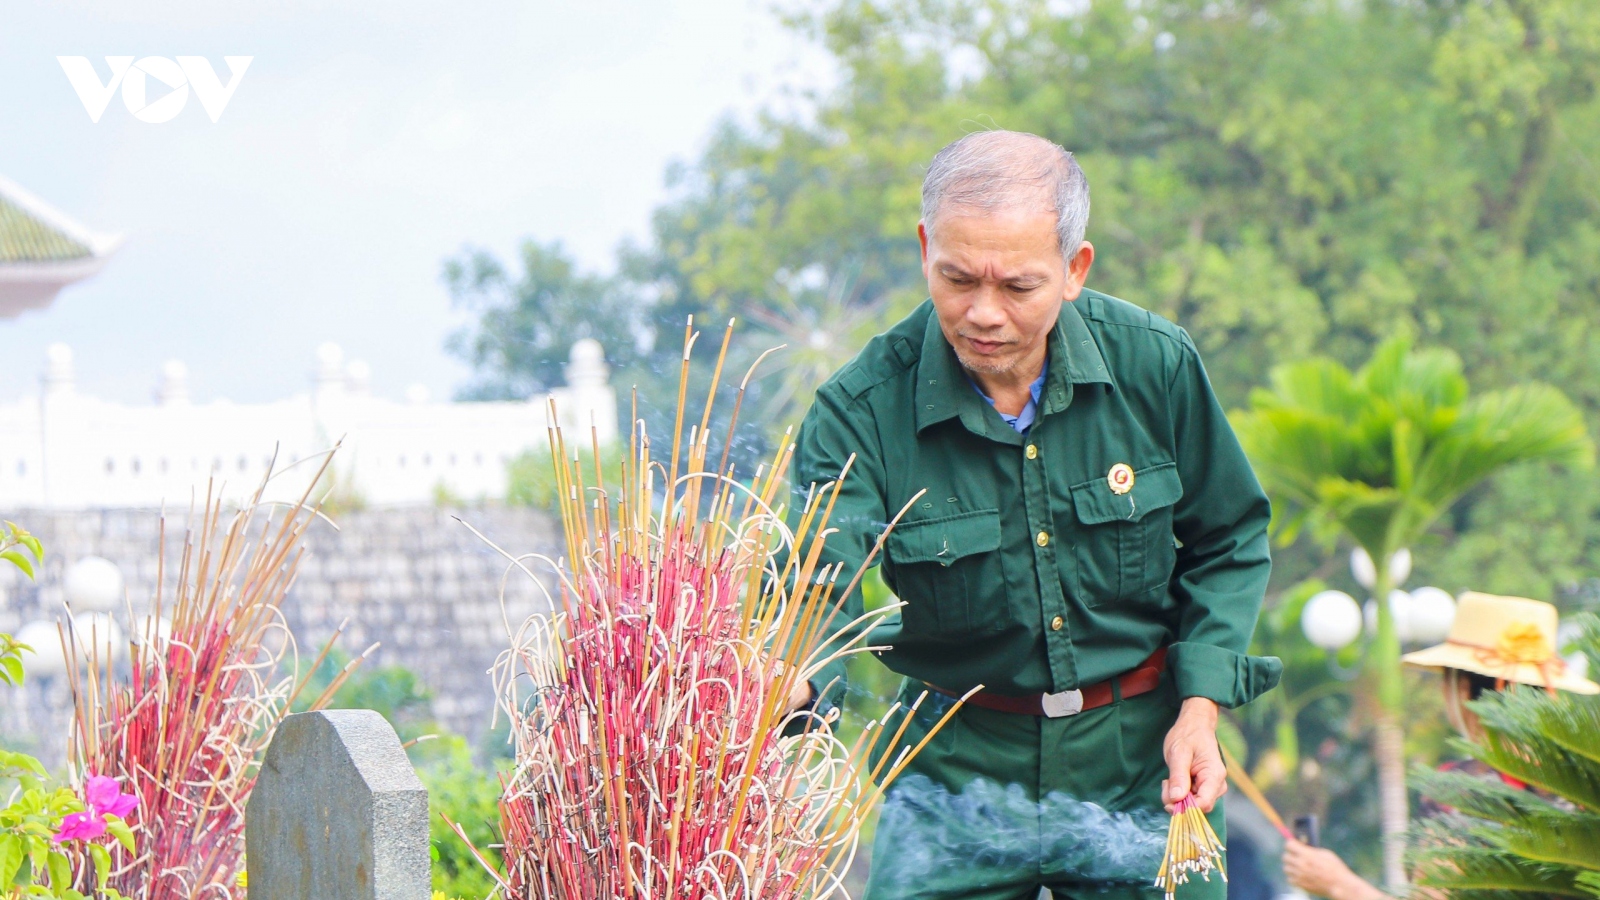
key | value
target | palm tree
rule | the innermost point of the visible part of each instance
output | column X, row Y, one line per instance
column 1500, row 842
column 1376, row 456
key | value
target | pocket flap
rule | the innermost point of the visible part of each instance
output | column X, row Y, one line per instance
column 1153, row 488
column 945, row 539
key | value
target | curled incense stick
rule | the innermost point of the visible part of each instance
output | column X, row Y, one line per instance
column 1192, row 848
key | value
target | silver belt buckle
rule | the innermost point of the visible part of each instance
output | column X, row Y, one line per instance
column 1066, row 703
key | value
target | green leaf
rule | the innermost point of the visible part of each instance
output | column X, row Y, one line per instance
column 12, row 850
column 60, row 869
column 11, row 670
column 120, row 830
column 102, row 864
column 19, row 561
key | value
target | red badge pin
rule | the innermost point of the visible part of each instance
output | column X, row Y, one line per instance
column 1120, row 478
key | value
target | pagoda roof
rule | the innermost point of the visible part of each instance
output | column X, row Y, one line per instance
column 42, row 250
column 26, row 238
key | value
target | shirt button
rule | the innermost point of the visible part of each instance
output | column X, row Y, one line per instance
column 1042, row 539
column 1033, row 452
column 1056, row 623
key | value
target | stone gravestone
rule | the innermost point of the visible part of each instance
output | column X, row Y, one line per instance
column 337, row 813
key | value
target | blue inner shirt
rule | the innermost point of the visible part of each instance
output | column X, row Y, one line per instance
column 1021, row 420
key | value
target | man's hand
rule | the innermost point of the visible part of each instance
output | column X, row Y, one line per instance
column 1324, row 874
column 1194, row 764
column 799, row 696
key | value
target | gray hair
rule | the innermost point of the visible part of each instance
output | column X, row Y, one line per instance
column 990, row 170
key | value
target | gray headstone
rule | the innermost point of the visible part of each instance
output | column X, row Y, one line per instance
column 337, row 813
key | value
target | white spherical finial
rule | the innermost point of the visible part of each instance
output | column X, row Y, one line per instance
column 1331, row 619
column 586, row 366
column 93, row 584
column 174, row 383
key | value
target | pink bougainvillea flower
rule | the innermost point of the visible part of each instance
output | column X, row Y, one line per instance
column 80, row 826
column 105, row 797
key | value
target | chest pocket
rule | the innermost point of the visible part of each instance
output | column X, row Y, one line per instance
column 1124, row 548
column 948, row 572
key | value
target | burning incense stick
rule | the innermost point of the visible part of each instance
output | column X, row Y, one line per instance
column 1247, row 786
column 656, row 756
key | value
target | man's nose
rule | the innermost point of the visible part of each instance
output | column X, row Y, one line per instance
column 988, row 309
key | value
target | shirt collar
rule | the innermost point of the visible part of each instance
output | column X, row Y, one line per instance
column 942, row 389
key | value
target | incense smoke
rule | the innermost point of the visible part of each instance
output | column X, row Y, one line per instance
column 938, row 833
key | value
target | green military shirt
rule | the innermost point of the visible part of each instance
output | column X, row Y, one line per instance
column 1020, row 567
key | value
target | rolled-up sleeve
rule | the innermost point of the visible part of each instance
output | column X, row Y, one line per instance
column 1223, row 560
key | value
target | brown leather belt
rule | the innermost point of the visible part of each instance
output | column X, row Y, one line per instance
column 1142, row 679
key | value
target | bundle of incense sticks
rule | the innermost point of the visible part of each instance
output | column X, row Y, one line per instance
column 185, row 726
column 1192, row 848
column 656, row 755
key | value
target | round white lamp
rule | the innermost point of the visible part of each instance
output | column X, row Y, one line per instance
column 46, row 659
column 1366, row 574
column 1331, row 619
column 153, row 630
column 93, row 584
column 94, row 634
column 1399, row 607
column 1432, row 613
column 98, row 637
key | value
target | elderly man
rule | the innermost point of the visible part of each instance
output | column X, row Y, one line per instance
column 1090, row 547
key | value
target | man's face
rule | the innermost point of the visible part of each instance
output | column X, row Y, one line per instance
column 998, row 282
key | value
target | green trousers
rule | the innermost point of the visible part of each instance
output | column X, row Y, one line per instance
column 998, row 805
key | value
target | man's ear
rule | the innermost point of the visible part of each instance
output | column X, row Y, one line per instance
column 1078, row 271
column 922, row 238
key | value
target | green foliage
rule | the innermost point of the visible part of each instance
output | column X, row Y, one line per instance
column 395, row 692
column 32, row 863
column 1379, row 454
column 528, row 322
column 1504, row 842
column 532, row 480
column 469, row 796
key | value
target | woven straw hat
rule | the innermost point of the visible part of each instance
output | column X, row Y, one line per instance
column 1510, row 638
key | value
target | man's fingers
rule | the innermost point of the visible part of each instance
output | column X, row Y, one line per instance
column 1211, row 782
column 1179, row 758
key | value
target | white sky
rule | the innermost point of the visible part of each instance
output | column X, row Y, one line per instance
column 365, row 144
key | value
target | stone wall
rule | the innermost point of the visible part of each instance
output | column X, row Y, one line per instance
column 414, row 579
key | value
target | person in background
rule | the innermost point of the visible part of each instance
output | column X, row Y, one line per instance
column 1495, row 641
